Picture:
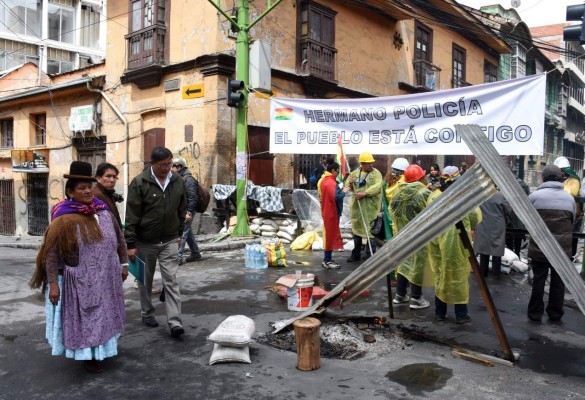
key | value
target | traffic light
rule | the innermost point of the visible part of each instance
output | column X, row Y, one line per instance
column 234, row 96
column 575, row 33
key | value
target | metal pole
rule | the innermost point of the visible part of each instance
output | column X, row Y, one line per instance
column 485, row 294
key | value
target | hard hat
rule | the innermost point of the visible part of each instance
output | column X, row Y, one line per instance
column 562, row 162
column 180, row 161
column 400, row 163
column 366, row 157
column 413, row 173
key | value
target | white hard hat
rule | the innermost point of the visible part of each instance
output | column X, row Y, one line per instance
column 562, row 162
column 400, row 164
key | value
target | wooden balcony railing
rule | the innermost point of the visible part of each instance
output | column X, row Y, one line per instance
column 146, row 47
column 426, row 75
column 318, row 59
column 458, row 82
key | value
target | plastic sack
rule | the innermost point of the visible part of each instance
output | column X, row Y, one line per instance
column 304, row 241
column 234, row 331
column 275, row 253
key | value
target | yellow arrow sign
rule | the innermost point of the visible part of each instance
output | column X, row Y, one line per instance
column 192, row 91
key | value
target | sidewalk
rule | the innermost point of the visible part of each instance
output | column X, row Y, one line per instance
column 205, row 242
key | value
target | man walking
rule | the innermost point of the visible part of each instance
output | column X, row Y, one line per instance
column 180, row 167
column 366, row 185
column 557, row 209
column 155, row 219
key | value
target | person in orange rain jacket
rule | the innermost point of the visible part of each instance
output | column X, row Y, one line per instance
column 331, row 197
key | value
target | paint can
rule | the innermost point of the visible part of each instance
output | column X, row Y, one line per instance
column 300, row 296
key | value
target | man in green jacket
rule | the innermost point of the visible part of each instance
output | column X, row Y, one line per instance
column 155, row 219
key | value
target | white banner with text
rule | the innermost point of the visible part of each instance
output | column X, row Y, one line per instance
column 511, row 113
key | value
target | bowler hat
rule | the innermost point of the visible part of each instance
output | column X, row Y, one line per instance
column 80, row 170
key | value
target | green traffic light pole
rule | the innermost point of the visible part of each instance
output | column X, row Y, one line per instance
column 242, row 74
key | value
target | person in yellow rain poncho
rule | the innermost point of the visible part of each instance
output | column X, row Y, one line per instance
column 408, row 200
column 449, row 260
column 571, row 185
column 365, row 183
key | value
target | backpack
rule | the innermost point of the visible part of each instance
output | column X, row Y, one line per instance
column 316, row 175
column 204, row 198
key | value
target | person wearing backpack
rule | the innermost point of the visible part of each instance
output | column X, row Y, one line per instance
column 192, row 191
column 317, row 173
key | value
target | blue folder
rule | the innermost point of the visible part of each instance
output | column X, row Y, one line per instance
column 136, row 268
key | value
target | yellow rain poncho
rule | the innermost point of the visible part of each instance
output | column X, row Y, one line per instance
column 408, row 200
column 371, row 204
column 449, row 260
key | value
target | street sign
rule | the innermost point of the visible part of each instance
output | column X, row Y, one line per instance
column 192, row 91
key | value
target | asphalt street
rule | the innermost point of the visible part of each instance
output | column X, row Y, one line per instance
column 153, row 365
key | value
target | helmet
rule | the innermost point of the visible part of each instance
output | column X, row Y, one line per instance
column 413, row 173
column 400, row 163
column 562, row 162
column 366, row 157
column 180, row 161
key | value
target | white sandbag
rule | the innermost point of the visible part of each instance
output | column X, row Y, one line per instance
column 347, row 235
column 270, row 222
column 234, row 331
column 254, row 227
column 288, row 229
column 519, row 266
column 224, row 354
column 268, row 228
column 257, row 221
column 283, row 222
column 268, row 234
column 285, row 241
column 509, row 256
column 317, row 245
column 284, row 235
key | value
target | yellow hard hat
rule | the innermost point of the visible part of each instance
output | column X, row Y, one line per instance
column 366, row 157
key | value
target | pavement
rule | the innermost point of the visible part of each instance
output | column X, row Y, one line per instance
column 418, row 362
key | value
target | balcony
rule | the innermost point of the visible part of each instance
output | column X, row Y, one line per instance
column 426, row 75
column 318, row 59
column 458, row 82
column 146, row 56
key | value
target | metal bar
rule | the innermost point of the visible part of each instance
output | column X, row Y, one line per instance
column 487, row 155
column 460, row 199
column 485, row 294
column 390, row 306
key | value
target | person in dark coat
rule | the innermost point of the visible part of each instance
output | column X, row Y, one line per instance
column 106, row 176
column 490, row 234
column 557, row 209
column 180, row 167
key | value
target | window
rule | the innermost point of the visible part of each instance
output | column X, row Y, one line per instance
column 518, row 62
column 7, row 133
column 90, row 27
column 490, row 72
column 146, row 42
column 62, row 21
column 21, row 17
column 40, row 129
column 317, row 45
column 13, row 54
column 60, row 61
column 425, row 73
column 459, row 59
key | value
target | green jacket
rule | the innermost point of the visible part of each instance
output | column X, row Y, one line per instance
column 151, row 215
column 370, row 205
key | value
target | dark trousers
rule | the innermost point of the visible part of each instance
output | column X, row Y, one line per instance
column 441, row 309
column 514, row 242
column 556, row 295
column 402, row 284
column 484, row 263
column 357, row 248
column 327, row 255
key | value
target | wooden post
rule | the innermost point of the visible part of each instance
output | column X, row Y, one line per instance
column 308, row 343
column 485, row 293
column 389, row 285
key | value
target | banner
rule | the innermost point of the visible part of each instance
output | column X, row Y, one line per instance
column 511, row 113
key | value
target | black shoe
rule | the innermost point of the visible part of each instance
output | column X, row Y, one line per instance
column 149, row 321
column 162, row 297
column 93, row 366
column 194, row 257
column 463, row 320
column 177, row 331
column 353, row 259
column 535, row 318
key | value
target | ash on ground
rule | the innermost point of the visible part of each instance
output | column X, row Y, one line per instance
column 346, row 341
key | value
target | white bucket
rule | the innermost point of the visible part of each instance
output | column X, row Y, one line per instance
column 300, row 296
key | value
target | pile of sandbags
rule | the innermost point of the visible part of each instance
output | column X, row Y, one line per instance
column 231, row 340
column 285, row 229
column 510, row 259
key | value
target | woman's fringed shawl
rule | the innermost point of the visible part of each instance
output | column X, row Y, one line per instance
column 62, row 233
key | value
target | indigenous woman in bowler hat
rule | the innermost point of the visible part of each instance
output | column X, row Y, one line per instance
column 83, row 261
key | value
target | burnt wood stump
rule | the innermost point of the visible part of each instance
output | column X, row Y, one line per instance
column 308, row 342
